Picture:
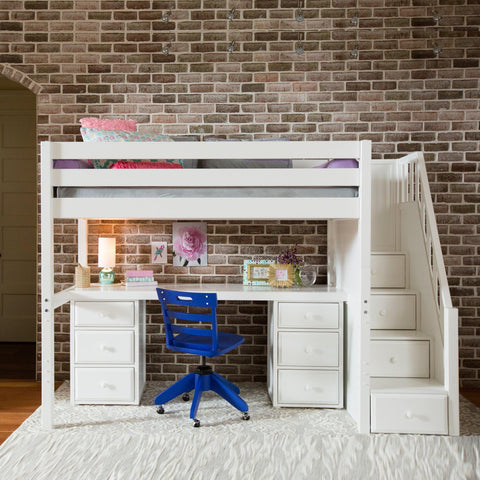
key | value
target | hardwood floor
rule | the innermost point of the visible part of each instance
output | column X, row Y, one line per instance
column 20, row 394
column 18, row 400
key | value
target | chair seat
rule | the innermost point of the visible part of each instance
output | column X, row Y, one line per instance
column 203, row 345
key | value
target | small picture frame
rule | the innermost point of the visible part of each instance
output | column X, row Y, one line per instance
column 281, row 275
column 255, row 272
column 159, row 252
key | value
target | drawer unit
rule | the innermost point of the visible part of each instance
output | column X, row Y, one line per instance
column 104, row 346
column 104, row 385
column 308, row 386
column 308, row 315
column 104, row 314
column 307, row 366
column 388, row 270
column 409, row 413
column 308, row 349
column 394, row 311
column 400, row 358
column 107, row 351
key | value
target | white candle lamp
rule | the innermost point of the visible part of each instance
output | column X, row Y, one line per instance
column 106, row 260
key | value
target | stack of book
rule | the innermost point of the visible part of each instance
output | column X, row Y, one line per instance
column 140, row 278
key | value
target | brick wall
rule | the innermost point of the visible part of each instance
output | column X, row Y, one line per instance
column 104, row 58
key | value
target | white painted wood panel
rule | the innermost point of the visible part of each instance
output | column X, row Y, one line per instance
column 409, row 413
column 315, row 349
column 393, row 311
column 93, row 346
column 104, row 385
column 104, row 314
column 308, row 386
column 400, row 358
column 384, row 220
column 308, row 315
column 388, row 270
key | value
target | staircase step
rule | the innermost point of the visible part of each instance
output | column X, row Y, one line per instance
column 408, row 405
column 393, row 309
column 388, row 270
column 399, row 353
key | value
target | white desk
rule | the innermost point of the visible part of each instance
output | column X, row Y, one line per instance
column 305, row 341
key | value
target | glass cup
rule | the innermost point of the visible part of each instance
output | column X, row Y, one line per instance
column 308, row 275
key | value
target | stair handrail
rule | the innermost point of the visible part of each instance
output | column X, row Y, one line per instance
column 415, row 188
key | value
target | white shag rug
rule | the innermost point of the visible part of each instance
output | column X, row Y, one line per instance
column 135, row 443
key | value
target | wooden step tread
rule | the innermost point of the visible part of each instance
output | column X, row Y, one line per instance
column 407, row 386
column 398, row 335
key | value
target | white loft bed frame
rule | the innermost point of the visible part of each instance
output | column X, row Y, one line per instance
column 348, row 222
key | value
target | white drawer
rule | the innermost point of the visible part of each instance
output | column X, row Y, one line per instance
column 308, row 315
column 393, row 312
column 104, row 346
column 104, row 385
column 388, row 271
column 400, row 358
column 104, row 314
column 308, row 386
column 409, row 413
column 315, row 349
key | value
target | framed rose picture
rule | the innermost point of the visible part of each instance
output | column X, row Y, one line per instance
column 189, row 244
column 255, row 272
column 280, row 275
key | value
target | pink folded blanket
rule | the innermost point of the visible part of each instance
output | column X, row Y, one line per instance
column 125, row 164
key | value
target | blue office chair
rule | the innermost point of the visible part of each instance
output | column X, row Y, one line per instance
column 198, row 340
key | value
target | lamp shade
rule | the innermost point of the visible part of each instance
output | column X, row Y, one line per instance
column 106, row 252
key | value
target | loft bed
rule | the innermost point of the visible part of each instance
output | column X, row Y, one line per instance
column 339, row 195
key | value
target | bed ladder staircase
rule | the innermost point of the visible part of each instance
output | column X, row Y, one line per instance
column 413, row 330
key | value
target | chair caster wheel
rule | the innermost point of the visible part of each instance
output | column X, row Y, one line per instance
column 245, row 416
column 186, row 397
column 160, row 410
column 196, row 422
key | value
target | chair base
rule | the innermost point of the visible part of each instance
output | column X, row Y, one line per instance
column 203, row 380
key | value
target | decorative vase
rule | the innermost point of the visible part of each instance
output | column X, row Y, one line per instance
column 307, row 275
column 297, row 277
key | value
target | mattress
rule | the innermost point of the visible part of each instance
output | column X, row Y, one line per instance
column 206, row 192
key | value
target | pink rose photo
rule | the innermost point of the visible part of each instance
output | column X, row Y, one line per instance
column 189, row 244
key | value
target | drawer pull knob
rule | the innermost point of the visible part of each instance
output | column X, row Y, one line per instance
column 106, row 348
column 308, row 349
column 107, row 385
column 383, row 312
column 408, row 414
column 311, row 316
column 307, row 387
column 393, row 360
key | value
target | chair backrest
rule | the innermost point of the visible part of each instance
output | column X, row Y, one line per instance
column 172, row 299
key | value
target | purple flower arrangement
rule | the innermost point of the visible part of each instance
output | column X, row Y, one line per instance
column 289, row 255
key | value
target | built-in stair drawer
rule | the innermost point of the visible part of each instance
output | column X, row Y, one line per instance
column 393, row 311
column 114, row 346
column 409, row 413
column 308, row 315
column 400, row 358
column 104, row 385
column 308, row 386
column 388, row 270
column 104, row 314
column 316, row 349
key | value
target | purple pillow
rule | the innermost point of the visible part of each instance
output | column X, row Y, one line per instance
column 340, row 163
column 62, row 164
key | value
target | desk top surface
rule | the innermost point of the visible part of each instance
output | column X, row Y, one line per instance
column 317, row 293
